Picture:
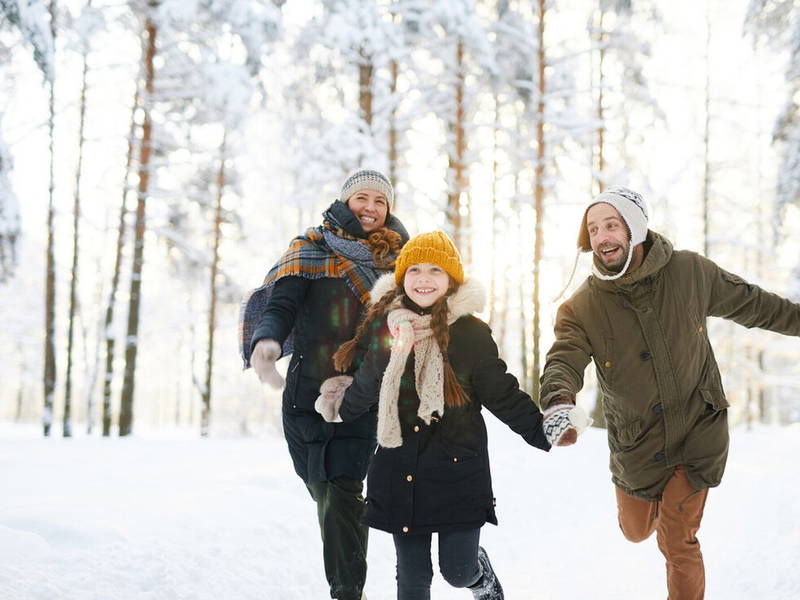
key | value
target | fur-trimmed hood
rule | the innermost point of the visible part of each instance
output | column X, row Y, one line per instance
column 470, row 297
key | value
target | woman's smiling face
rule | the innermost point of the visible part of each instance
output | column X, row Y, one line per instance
column 370, row 208
column 425, row 283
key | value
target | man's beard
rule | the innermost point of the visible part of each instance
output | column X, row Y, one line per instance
column 615, row 265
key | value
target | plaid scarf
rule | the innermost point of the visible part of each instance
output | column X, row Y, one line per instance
column 326, row 251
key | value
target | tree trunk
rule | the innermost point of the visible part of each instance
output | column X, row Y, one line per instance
column 492, row 300
column 365, row 69
column 73, row 284
column 393, row 151
column 601, row 127
column 706, row 141
column 538, row 202
column 112, row 295
column 50, row 277
column 458, row 172
column 205, row 417
column 21, row 385
column 131, row 340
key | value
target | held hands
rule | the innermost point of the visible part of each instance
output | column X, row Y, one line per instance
column 263, row 360
column 331, row 395
column 563, row 422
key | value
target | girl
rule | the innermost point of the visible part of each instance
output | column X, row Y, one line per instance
column 430, row 367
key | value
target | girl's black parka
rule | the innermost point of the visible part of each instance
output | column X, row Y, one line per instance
column 439, row 478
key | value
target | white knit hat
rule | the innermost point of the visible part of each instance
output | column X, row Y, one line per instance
column 633, row 209
column 367, row 179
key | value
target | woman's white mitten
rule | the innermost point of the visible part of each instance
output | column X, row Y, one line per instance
column 263, row 360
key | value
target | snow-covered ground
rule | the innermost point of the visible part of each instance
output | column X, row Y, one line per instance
column 151, row 518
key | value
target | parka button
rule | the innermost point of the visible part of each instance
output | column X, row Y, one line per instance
column 700, row 329
column 659, row 456
column 645, row 356
column 409, row 478
column 455, row 459
column 608, row 364
column 405, row 529
column 416, row 428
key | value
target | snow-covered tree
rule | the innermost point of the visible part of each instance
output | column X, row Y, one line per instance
column 778, row 23
column 9, row 216
column 31, row 18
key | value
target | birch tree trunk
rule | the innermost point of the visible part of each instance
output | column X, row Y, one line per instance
column 112, row 294
column 706, row 143
column 365, row 71
column 541, row 155
column 205, row 417
column 50, row 276
column 598, row 413
column 76, row 218
column 131, row 341
column 456, row 156
column 393, row 150
column 601, row 127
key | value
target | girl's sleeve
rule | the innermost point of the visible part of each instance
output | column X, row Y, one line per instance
column 498, row 390
column 362, row 395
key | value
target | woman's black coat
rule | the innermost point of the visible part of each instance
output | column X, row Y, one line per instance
column 323, row 313
column 439, row 478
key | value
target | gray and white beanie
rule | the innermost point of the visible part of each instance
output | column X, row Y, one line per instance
column 633, row 209
column 367, row 179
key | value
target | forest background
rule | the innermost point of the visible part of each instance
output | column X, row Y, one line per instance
column 156, row 157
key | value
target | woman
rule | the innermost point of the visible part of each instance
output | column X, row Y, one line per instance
column 431, row 367
column 310, row 303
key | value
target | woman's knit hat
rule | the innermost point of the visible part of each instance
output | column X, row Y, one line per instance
column 367, row 179
column 433, row 247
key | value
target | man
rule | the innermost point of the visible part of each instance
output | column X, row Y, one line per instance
column 310, row 303
column 642, row 318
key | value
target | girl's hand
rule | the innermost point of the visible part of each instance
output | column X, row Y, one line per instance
column 331, row 395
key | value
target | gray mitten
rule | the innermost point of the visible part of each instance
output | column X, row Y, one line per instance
column 263, row 360
column 331, row 394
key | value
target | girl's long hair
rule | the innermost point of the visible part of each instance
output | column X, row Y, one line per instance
column 454, row 394
column 385, row 244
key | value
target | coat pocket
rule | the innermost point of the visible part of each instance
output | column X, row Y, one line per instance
column 715, row 399
column 623, row 431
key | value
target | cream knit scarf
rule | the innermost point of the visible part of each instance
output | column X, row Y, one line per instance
column 410, row 330
column 413, row 331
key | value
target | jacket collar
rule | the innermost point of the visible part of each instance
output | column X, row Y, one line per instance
column 657, row 257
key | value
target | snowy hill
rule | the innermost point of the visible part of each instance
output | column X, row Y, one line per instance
column 190, row 519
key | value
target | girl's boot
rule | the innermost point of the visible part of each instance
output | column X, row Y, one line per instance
column 487, row 587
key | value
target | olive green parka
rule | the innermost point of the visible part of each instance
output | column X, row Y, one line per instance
column 662, row 393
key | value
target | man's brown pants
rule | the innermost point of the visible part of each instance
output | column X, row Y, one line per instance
column 676, row 518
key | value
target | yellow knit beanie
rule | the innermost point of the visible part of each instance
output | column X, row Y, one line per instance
column 434, row 248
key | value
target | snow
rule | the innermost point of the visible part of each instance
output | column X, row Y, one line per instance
column 176, row 517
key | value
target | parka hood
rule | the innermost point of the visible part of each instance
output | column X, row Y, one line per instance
column 656, row 258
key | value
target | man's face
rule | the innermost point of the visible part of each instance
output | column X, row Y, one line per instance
column 608, row 236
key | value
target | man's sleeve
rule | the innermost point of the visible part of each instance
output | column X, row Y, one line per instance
column 567, row 358
column 731, row 297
